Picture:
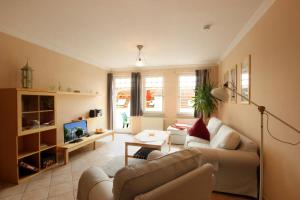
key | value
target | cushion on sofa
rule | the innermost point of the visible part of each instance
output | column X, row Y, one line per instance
column 213, row 126
column 133, row 180
column 199, row 130
column 226, row 138
column 198, row 145
column 195, row 139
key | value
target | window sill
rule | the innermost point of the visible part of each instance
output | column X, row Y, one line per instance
column 185, row 115
column 152, row 114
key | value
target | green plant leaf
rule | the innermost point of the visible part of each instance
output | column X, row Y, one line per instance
column 203, row 101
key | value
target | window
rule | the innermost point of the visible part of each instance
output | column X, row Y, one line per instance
column 153, row 96
column 187, row 84
column 122, row 89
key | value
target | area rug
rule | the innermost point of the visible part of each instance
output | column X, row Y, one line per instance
column 118, row 162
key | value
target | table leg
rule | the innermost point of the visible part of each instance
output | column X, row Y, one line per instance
column 94, row 145
column 113, row 136
column 126, row 154
column 170, row 143
column 66, row 156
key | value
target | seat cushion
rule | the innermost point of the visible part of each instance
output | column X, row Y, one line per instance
column 199, row 130
column 213, row 126
column 226, row 138
column 198, row 145
column 133, row 180
column 195, row 139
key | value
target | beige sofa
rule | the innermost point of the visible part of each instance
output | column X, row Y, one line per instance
column 233, row 156
column 177, row 176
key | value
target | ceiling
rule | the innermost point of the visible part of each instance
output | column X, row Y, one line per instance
column 106, row 32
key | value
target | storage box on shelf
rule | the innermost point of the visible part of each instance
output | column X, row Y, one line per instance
column 28, row 145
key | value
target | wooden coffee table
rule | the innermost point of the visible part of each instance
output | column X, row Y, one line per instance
column 150, row 139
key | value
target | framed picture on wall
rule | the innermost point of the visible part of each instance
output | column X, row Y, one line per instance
column 233, row 84
column 245, row 80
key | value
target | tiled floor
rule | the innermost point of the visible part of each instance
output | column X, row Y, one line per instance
column 61, row 182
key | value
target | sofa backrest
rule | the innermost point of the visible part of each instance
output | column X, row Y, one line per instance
column 213, row 126
column 195, row 185
column 133, row 180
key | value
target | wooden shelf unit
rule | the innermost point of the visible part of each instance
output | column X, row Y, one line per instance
column 29, row 120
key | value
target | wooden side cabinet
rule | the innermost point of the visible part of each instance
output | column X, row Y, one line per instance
column 28, row 133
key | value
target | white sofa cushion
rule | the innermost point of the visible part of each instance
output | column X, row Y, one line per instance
column 198, row 145
column 226, row 138
column 213, row 126
column 190, row 139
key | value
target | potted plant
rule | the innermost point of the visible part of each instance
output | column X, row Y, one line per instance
column 203, row 101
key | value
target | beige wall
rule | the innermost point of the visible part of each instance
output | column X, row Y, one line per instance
column 50, row 68
column 170, row 91
column 274, row 44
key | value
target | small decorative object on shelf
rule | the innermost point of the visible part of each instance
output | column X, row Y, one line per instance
column 26, row 76
column 99, row 130
column 52, row 88
column 28, row 166
column 95, row 113
column 48, row 160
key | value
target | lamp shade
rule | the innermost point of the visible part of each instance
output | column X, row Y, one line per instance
column 139, row 63
column 220, row 93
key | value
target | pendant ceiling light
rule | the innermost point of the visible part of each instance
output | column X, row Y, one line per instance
column 139, row 62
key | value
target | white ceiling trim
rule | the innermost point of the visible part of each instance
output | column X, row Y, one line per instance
column 248, row 26
column 54, row 48
column 190, row 66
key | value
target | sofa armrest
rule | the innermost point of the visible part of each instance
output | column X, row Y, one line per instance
column 230, row 158
column 155, row 155
column 102, row 191
column 94, row 184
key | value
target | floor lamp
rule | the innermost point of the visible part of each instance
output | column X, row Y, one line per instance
column 222, row 95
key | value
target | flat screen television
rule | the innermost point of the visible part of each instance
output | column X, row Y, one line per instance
column 75, row 130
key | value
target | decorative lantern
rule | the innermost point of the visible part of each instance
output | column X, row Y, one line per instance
column 26, row 76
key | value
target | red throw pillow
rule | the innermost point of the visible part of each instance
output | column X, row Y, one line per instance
column 199, row 130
